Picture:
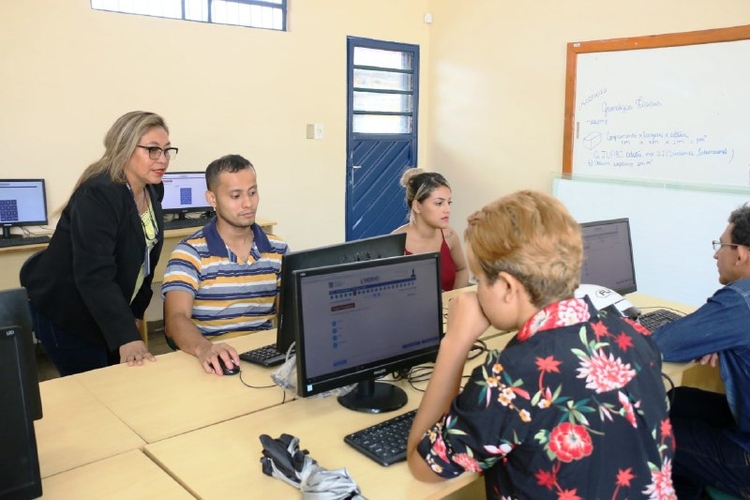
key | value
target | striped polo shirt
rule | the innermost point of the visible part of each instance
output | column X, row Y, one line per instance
column 230, row 298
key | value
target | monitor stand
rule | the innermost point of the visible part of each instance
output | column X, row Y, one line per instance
column 374, row 397
column 8, row 235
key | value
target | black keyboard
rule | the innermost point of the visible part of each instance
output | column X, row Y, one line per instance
column 265, row 356
column 660, row 317
column 183, row 223
column 384, row 442
column 26, row 240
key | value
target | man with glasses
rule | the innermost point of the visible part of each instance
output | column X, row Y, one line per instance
column 712, row 430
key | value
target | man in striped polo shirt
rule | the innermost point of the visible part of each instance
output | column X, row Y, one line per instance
column 223, row 280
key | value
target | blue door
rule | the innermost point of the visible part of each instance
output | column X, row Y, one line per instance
column 382, row 91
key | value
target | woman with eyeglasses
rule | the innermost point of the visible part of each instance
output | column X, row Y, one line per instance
column 89, row 289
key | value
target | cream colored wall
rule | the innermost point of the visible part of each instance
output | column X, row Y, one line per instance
column 492, row 93
column 67, row 72
column 497, row 82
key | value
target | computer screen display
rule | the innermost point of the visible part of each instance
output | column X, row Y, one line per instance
column 184, row 192
column 376, row 247
column 23, row 202
column 608, row 255
column 14, row 312
column 361, row 321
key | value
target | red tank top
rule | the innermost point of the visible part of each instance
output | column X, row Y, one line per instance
column 447, row 266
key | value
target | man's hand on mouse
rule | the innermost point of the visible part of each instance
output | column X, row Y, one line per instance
column 209, row 358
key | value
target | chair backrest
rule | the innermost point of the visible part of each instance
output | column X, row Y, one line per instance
column 23, row 274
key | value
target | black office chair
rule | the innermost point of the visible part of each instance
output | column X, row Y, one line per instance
column 23, row 274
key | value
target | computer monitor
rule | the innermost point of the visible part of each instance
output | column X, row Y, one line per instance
column 376, row 247
column 14, row 311
column 19, row 459
column 23, row 202
column 19, row 397
column 184, row 192
column 608, row 255
column 361, row 321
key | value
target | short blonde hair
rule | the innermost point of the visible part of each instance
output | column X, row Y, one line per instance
column 532, row 237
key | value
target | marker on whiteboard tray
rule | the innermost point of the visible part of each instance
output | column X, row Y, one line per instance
column 578, row 129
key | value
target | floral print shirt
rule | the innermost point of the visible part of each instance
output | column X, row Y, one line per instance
column 573, row 408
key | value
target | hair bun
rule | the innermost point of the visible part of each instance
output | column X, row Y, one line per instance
column 409, row 173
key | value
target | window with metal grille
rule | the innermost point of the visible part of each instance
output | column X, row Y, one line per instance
column 382, row 91
column 269, row 14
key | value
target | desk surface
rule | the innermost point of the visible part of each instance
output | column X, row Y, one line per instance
column 77, row 429
column 174, row 395
column 127, row 476
column 321, row 424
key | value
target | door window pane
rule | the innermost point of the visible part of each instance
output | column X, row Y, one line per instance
column 385, row 80
column 381, row 124
column 371, row 101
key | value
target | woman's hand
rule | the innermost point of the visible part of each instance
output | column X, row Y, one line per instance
column 133, row 353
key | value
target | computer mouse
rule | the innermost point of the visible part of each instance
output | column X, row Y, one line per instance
column 228, row 370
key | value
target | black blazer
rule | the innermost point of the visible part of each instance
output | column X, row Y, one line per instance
column 83, row 282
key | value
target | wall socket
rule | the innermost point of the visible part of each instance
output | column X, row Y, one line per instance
column 314, row 131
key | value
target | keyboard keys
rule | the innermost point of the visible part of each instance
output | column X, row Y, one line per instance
column 26, row 240
column 660, row 317
column 384, row 442
column 265, row 356
column 183, row 223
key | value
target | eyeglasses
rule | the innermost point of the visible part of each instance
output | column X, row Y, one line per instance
column 718, row 244
column 154, row 152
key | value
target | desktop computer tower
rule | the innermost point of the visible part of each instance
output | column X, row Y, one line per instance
column 19, row 462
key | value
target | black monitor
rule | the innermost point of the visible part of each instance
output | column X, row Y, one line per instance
column 14, row 311
column 184, row 192
column 376, row 247
column 19, row 398
column 361, row 321
column 23, row 202
column 608, row 255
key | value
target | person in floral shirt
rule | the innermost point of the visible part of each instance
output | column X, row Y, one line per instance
column 574, row 407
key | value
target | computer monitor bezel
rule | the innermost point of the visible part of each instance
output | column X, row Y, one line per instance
column 375, row 247
column 204, row 207
column 366, row 373
column 27, row 222
column 14, row 311
column 624, row 289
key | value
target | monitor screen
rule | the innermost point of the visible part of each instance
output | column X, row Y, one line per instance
column 361, row 321
column 377, row 247
column 23, row 202
column 184, row 192
column 14, row 311
column 608, row 255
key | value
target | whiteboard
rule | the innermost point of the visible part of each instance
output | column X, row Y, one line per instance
column 671, row 231
column 664, row 113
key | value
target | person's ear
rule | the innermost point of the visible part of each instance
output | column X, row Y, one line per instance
column 508, row 285
column 415, row 206
column 211, row 199
column 743, row 256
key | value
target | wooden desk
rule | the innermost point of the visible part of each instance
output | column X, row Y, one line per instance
column 12, row 258
column 77, row 429
column 173, row 395
column 321, row 424
column 126, row 476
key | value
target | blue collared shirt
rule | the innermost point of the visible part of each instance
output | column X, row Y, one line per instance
column 721, row 325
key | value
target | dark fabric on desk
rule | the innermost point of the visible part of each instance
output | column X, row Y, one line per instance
column 83, row 282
